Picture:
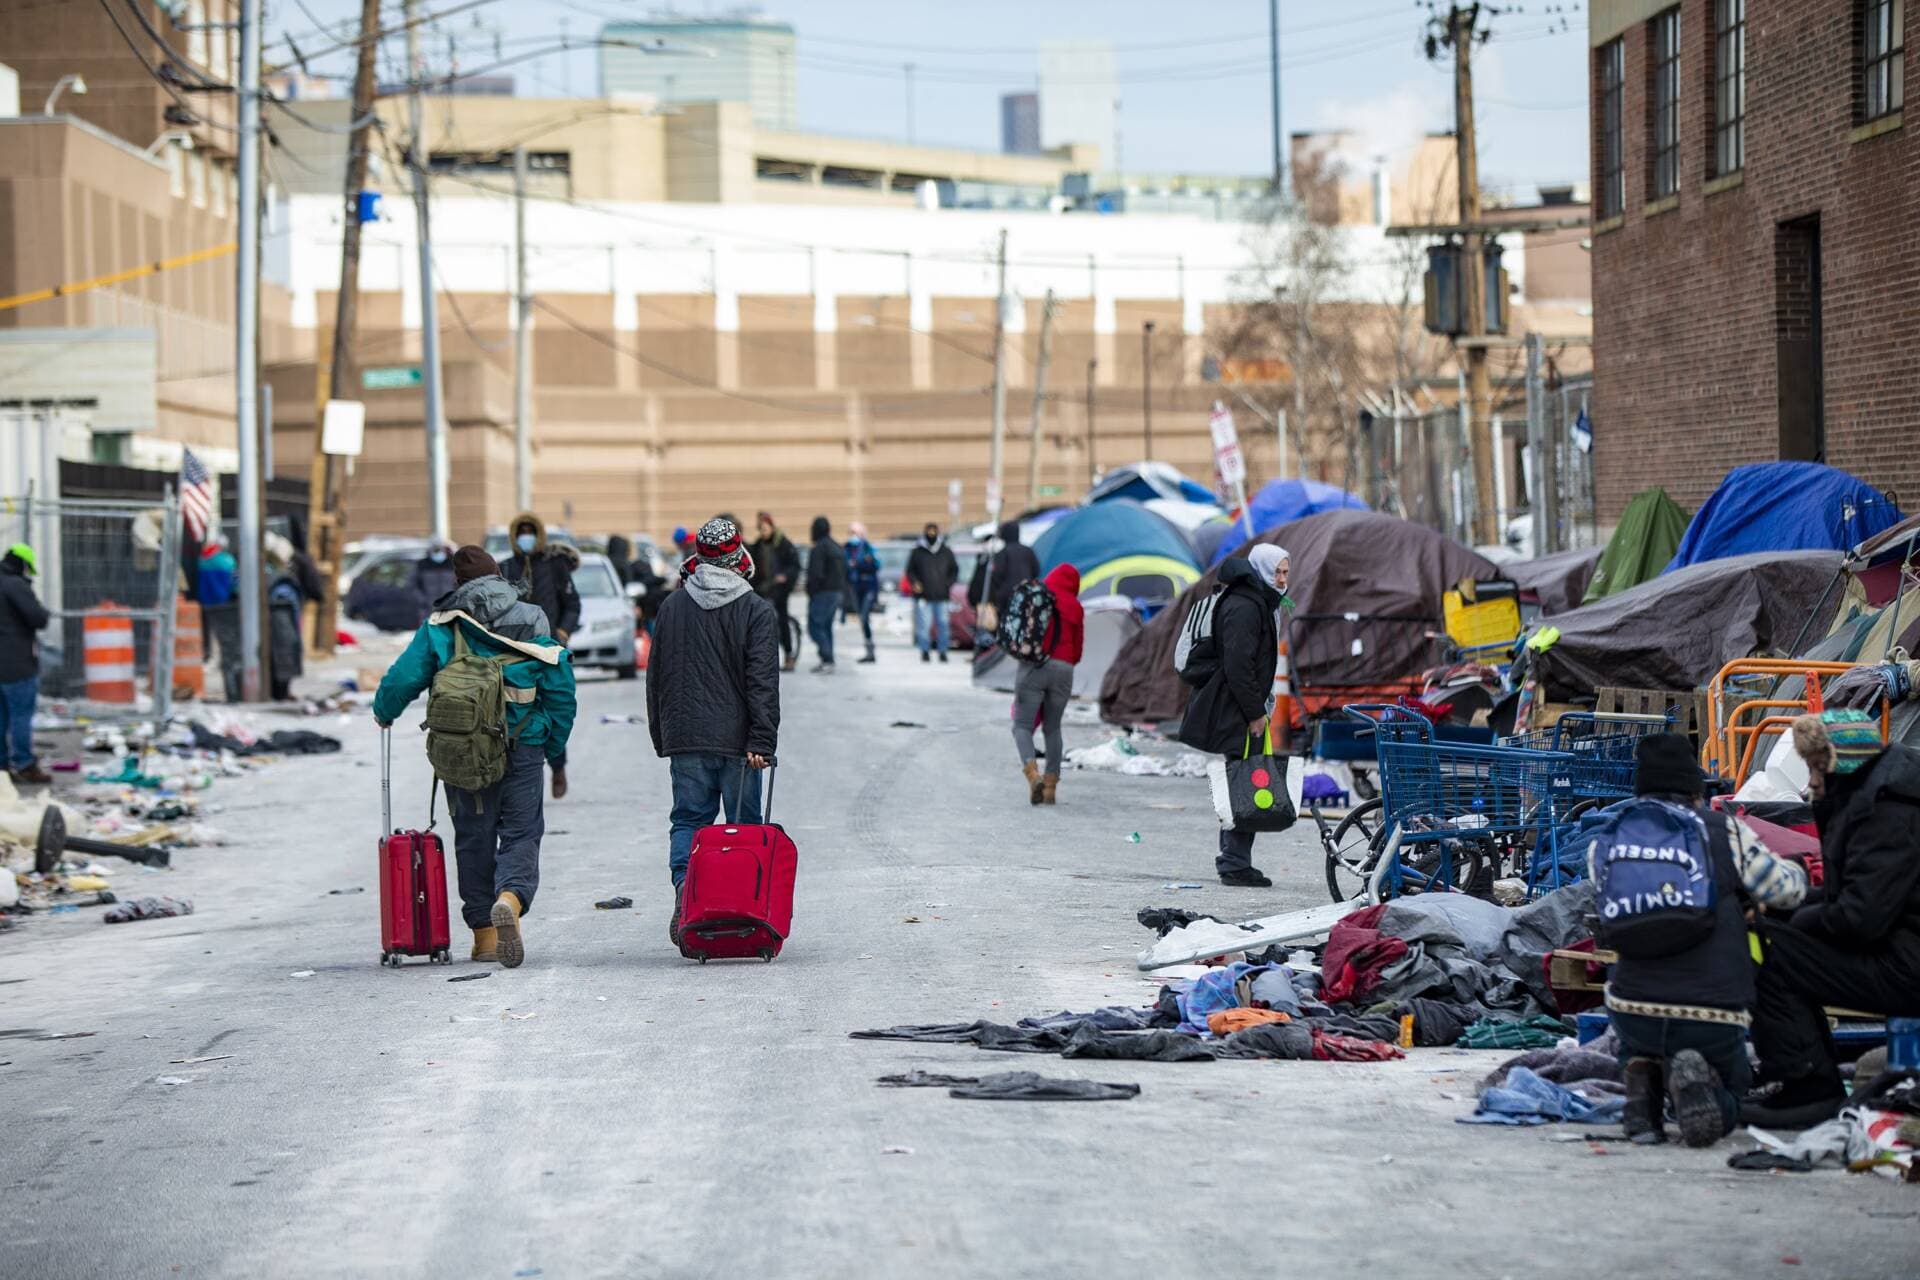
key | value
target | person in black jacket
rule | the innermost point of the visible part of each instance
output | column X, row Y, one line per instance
column 543, row 571
column 22, row 618
column 995, row 577
column 931, row 573
column 826, row 589
column 1858, row 945
column 432, row 576
column 1229, row 711
column 713, row 692
column 776, row 573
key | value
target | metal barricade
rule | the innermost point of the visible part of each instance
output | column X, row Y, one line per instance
column 108, row 573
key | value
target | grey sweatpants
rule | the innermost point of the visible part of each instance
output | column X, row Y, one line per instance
column 1042, row 691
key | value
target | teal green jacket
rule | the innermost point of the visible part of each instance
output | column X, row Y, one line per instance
column 546, row 721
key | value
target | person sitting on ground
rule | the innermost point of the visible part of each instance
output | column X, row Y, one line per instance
column 713, row 693
column 931, row 573
column 863, row 582
column 543, row 572
column 1230, row 709
column 996, row 575
column 497, row 828
column 826, row 590
column 1678, row 996
column 22, row 618
column 1042, row 689
column 1857, row 944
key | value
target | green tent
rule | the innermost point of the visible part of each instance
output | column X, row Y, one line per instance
column 1649, row 533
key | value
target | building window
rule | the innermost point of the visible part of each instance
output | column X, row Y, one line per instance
column 1882, row 57
column 197, row 180
column 1663, row 105
column 217, row 191
column 1613, row 171
column 1729, row 86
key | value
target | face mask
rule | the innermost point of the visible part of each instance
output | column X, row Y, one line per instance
column 525, row 542
column 439, row 557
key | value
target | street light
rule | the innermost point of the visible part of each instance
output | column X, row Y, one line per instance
column 180, row 136
column 76, row 83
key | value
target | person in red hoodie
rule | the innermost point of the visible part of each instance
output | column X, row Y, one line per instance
column 1041, row 692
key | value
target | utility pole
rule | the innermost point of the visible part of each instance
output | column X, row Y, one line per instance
column 1146, row 383
column 326, row 519
column 997, row 442
column 1462, row 30
column 1273, row 63
column 1039, row 402
column 1093, row 467
column 522, row 343
column 436, row 413
column 246, row 364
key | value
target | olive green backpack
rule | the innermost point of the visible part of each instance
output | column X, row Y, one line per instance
column 467, row 737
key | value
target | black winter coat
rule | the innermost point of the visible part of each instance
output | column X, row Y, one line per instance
column 22, row 618
column 1236, row 695
column 775, row 558
column 551, row 586
column 1010, row 566
column 429, row 581
column 826, row 569
column 1870, row 840
column 932, row 571
column 713, row 682
column 1717, row 971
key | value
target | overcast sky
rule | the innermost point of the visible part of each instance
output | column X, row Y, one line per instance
column 1193, row 76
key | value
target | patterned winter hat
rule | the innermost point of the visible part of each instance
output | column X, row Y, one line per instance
column 1837, row 741
column 718, row 543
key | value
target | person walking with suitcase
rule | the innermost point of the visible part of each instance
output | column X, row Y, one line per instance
column 1045, row 628
column 713, row 692
column 826, row 590
column 501, row 703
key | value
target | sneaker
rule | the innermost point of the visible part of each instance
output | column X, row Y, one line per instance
column 1644, row 1114
column 869, row 658
column 943, row 655
column 925, row 656
column 1693, row 1087
column 1248, row 879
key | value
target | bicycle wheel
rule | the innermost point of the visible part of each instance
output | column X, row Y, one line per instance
column 1353, row 850
column 1420, row 869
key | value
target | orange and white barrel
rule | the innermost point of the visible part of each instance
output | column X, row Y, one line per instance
column 1282, row 700
column 109, row 654
column 189, row 650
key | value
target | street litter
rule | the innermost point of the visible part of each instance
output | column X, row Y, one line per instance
column 906, row 724
column 896, row 1151
column 1013, row 1086
column 1182, row 885
column 339, row 892
column 148, row 909
column 620, row 903
column 67, row 1035
column 172, row 1080
column 471, row 977
column 1119, row 755
column 301, row 973
column 508, row 1015
column 188, row 1062
column 621, row 717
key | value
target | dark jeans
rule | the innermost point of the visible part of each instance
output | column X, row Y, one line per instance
column 496, row 837
column 1236, row 851
column 16, row 721
column 223, row 620
column 865, row 602
column 820, row 616
column 1724, row 1047
column 1799, row 976
column 702, row 782
column 780, row 598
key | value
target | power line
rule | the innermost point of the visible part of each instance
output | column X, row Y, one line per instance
column 155, row 73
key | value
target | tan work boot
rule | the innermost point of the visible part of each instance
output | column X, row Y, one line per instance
column 1049, row 787
column 509, row 950
column 1032, row 770
column 485, row 942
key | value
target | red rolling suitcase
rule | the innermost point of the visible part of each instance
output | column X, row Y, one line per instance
column 737, row 898
column 413, row 882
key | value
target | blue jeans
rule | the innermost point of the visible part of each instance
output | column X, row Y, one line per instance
column 496, row 837
column 16, row 721
column 702, row 782
column 865, row 601
column 930, row 624
column 820, row 617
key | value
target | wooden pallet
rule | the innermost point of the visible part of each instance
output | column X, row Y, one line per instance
column 1690, row 704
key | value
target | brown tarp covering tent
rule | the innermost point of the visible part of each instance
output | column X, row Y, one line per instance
column 1676, row 631
column 1559, row 580
column 1363, row 563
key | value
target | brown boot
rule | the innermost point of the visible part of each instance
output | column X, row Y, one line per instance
column 1032, row 770
column 485, row 944
column 1049, row 787
column 509, row 949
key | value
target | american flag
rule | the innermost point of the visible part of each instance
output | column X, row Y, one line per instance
column 199, row 491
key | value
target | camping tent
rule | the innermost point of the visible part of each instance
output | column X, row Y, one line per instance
column 1558, row 581
column 1165, row 490
column 1111, row 623
column 1122, row 549
column 1677, row 630
column 1284, row 501
column 1784, row 506
column 1648, row 534
column 1358, row 563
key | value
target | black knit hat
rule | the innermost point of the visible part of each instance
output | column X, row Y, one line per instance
column 1664, row 764
column 471, row 562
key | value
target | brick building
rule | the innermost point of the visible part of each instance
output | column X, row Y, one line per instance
column 1756, row 245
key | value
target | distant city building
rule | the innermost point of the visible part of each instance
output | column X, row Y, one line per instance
column 1077, row 96
column 1020, row 124
column 689, row 59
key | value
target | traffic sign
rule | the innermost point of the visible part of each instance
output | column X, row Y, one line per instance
column 1226, row 446
column 394, row 377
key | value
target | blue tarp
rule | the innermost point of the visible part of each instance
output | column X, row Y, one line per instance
column 1283, row 501
column 1094, row 535
column 1784, row 506
column 1145, row 481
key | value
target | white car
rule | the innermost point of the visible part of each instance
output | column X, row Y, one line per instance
column 604, row 637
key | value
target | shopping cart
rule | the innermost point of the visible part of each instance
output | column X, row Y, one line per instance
column 1602, row 742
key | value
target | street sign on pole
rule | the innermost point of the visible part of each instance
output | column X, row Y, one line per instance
column 343, row 428
column 1227, row 457
column 953, row 499
column 391, row 377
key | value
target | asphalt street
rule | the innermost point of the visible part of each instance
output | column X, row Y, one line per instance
column 610, row 1109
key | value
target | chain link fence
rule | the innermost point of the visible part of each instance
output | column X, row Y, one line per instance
column 108, row 572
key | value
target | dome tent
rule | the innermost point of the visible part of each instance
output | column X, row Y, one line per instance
column 1123, row 549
